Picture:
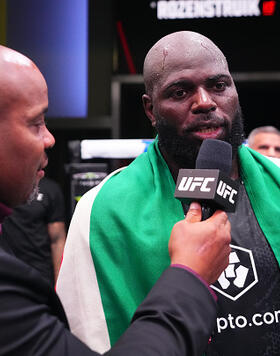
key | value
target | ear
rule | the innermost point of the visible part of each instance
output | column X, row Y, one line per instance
column 148, row 107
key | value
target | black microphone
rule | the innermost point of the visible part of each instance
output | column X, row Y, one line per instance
column 209, row 183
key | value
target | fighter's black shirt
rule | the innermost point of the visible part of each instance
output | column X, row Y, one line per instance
column 248, row 321
column 26, row 229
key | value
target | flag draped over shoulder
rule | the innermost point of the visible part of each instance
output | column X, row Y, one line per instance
column 130, row 225
column 132, row 217
column 261, row 178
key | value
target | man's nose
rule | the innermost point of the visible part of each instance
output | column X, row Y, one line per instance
column 202, row 102
column 49, row 140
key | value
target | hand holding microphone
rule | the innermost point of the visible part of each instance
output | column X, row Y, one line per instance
column 202, row 246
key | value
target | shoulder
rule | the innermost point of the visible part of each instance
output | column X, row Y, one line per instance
column 15, row 272
column 119, row 182
column 23, row 283
column 137, row 175
column 88, row 198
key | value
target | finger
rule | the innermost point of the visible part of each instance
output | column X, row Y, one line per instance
column 220, row 217
column 228, row 226
column 194, row 214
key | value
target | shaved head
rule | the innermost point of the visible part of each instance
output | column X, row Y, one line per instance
column 174, row 49
column 18, row 77
column 24, row 136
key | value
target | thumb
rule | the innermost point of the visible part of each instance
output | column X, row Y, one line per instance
column 194, row 214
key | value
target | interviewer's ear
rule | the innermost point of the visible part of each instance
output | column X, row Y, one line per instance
column 148, row 107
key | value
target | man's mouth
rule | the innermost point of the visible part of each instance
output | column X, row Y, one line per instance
column 41, row 171
column 208, row 132
column 44, row 164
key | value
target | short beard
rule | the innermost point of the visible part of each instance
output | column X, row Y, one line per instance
column 33, row 195
column 183, row 149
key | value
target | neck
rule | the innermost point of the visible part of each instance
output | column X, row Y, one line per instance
column 174, row 168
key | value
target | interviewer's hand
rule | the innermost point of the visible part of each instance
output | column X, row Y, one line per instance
column 202, row 246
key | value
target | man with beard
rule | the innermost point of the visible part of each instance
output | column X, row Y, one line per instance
column 190, row 96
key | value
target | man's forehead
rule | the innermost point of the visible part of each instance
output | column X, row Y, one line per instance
column 186, row 58
column 193, row 74
column 185, row 63
column 267, row 137
column 186, row 45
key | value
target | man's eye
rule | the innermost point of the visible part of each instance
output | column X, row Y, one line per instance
column 38, row 125
column 220, row 86
column 179, row 93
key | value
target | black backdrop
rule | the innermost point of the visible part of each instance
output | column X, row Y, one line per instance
column 250, row 43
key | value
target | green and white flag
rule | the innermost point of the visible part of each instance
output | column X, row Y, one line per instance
column 117, row 245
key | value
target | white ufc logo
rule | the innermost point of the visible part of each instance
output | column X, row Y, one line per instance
column 226, row 191
column 191, row 183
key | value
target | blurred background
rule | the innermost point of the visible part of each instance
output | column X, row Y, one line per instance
column 91, row 54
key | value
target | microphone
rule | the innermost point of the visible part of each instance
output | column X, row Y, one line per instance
column 209, row 183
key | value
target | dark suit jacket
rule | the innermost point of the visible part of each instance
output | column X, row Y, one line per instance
column 175, row 319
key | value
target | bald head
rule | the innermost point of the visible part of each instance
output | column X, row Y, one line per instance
column 24, row 136
column 177, row 48
column 9, row 56
column 19, row 77
column 266, row 140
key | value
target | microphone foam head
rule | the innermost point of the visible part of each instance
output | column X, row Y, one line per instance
column 214, row 154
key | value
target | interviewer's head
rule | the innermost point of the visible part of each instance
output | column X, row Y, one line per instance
column 23, row 133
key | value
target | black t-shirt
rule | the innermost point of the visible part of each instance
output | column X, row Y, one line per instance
column 248, row 291
column 26, row 229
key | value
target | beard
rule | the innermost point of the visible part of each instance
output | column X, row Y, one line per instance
column 33, row 195
column 183, row 148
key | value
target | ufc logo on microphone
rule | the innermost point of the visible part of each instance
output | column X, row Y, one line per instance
column 209, row 186
column 226, row 191
column 195, row 183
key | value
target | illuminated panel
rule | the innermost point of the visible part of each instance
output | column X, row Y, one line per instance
column 55, row 35
column 269, row 8
column 192, row 9
column 207, row 9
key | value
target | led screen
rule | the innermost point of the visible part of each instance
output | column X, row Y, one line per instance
column 55, row 35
